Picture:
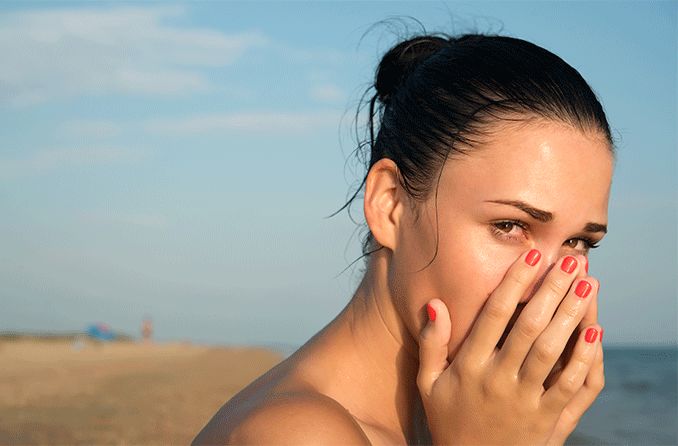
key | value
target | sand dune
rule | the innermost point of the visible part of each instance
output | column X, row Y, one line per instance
column 52, row 392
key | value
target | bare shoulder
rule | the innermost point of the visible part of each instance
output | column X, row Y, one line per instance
column 300, row 418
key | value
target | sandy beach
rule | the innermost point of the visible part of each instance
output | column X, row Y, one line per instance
column 61, row 392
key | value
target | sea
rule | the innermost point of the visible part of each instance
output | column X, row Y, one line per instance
column 637, row 407
column 639, row 404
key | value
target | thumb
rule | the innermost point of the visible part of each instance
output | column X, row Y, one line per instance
column 433, row 341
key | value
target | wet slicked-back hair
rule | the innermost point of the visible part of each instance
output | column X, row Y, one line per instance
column 438, row 96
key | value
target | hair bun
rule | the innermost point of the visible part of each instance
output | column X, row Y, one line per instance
column 401, row 60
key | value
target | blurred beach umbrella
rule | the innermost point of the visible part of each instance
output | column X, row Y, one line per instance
column 100, row 332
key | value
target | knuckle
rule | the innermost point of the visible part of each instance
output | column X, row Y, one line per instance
column 546, row 352
column 598, row 383
column 425, row 337
column 568, row 386
column 465, row 369
column 497, row 309
column 557, row 286
column 494, row 386
column 529, row 328
column 521, row 278
column 571, row 310
column 583, row 361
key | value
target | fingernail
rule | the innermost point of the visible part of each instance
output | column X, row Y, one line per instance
column 532, row 257
column 591, row 335
column 583, row 289
column 569, row 264
column 586, row 266
column 431, row 312
column 601, row 334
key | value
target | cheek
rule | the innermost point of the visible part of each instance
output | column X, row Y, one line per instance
column 474, row 274
column 467, row 268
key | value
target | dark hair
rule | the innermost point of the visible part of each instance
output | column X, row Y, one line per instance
column 438, row 95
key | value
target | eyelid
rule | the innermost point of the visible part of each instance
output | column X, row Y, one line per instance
column 524, row 229
column 588, row 237
column 589, row 242
column 520, row 223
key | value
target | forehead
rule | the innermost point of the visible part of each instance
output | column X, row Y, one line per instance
column 550, row 165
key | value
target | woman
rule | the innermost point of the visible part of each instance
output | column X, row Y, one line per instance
column 476, row 320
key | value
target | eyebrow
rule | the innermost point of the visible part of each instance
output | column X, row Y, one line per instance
column 545, row 216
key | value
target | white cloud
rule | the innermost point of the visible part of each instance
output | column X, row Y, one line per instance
column 326, row 93
column 90, row 128
column 314, row 56
column 45, row 160
column 255, row 122
column 65, row 52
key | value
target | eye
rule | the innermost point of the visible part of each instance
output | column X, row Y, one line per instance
column 505, row 226
column 581, row 244
column 508, row 229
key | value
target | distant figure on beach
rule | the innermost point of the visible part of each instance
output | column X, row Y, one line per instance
column 146, row 329
column 475, row 323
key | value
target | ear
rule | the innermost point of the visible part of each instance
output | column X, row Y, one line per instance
column 383, row 204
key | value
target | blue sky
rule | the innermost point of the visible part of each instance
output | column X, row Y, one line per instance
column 178, row 160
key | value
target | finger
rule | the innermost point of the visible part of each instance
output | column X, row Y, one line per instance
column 573, row 376
column 551, row 342
column 590, row 318
column 537, row 314
column 591, row 315
column 583, row 271
column 593, row 385
column 499, row 307
column 583, row 399
column 433, row 344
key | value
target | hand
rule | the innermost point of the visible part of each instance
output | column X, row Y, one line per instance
column 595, row 381
column 497, row 396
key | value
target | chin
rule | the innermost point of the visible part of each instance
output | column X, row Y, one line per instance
column 562, row 360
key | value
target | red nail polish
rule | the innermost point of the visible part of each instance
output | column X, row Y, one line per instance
column 583, row 289
column 431, row 312
column 591, row 335
column 586, row 266
column 532, row 257
column 569, row 264
column 601, row 334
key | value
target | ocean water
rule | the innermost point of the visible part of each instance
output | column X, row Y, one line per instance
column 638, row 406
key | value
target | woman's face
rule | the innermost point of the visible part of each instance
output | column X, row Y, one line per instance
column 531, row 186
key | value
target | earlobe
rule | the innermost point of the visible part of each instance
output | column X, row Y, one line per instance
column 382, row 206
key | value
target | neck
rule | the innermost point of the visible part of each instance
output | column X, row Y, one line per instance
column 378, row 364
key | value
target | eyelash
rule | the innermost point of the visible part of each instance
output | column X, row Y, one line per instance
column 589, row 243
